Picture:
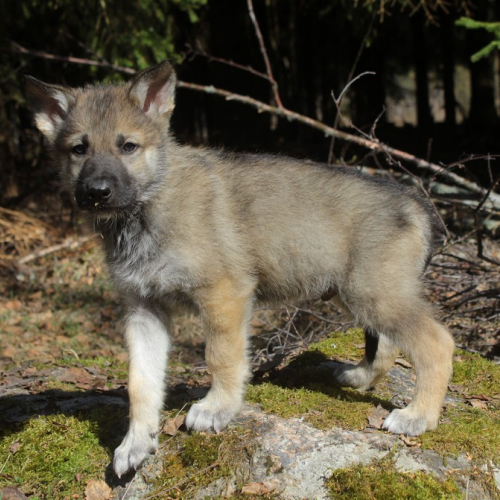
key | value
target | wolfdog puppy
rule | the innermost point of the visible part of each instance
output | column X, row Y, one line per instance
column 219, row 232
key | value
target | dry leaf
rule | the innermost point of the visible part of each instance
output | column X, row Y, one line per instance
column 478, row 403
column 408, row 441
column 95, row 372
column 29, row 372
column 482, row 397
column 97, row 490
column 456, row 388
column 377, row 416
column 402, row 362
column 13, row 305
column 75, row 375
column 253, row 489
column 14, row 447
column 11, row 493
column 264, row 488
column 171, row 426
column 269, row 365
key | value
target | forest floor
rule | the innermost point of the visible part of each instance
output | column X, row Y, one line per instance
column 63, row 396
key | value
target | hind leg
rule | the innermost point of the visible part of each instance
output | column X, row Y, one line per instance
column 429, row 346
column 398, row 309
column 380, row 353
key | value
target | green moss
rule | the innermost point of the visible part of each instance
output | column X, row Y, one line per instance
column 54, row 384
column 476, row 375
column 381, row 480
column 192, row 462
column 201, row 450
column 342, row 345
column 320, row 409
column 466, row 430
column 52, row 451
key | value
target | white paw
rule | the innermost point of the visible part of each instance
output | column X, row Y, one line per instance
column 135, row 448
column 353, row 376
column 407, row 422
column 205, row 416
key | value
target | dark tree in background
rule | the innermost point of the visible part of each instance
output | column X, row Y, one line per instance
column 421, row 61
column 420, row 58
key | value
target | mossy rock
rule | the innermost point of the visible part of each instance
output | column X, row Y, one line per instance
column 53, row 456
column 381, row 480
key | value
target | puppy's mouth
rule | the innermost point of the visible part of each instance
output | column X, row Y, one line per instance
column 100, row 202
column 100, row 207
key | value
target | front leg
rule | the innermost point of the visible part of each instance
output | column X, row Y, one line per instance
column 225, row 311
column 147, row 342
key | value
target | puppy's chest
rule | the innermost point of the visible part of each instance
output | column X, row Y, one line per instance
column 140, row 264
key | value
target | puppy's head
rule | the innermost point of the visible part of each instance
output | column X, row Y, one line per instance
column 109, row 141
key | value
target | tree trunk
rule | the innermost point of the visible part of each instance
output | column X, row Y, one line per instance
column 424, row 117
column 482, row 105
column 448, row 51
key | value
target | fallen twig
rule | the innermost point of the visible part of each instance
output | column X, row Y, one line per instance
column 69, row 243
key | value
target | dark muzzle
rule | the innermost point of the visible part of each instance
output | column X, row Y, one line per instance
column 104, row 184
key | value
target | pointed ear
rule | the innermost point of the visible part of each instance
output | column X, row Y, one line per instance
column 49, row 103
column 154, row 90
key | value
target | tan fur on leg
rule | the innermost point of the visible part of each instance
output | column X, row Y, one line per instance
column 225, row 310
column 431, row 355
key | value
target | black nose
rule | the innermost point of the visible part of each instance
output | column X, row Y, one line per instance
column 99, row 190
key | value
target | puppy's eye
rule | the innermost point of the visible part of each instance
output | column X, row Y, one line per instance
column 129, row 147
column 79, row 149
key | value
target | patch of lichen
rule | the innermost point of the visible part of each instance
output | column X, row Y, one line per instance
column 51, row 457
column 192, row 462
column 380, row 479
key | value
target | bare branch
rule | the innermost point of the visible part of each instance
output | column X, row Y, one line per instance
column 70, row 59
column 339, row 99
column 229, row 62
column 274, row 84
column 350, row 76
column 479, row 228
column 373, row 145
